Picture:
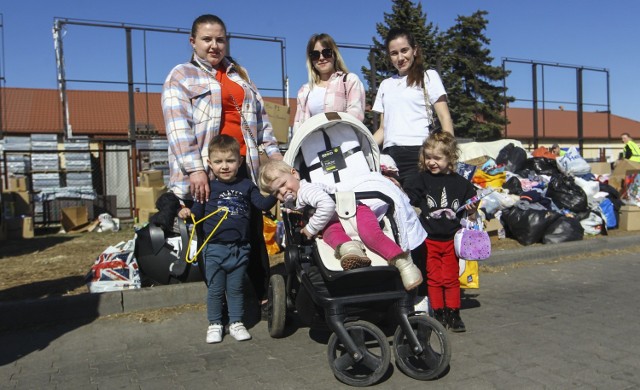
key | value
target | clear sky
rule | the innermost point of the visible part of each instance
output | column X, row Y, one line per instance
column 594, row 34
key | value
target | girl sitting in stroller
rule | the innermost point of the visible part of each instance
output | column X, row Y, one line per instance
column 283, row 181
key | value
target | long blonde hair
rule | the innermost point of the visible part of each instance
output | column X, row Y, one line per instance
column 446, row 143
column 327, row 42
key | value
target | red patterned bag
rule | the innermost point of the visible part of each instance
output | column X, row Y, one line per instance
column 115, row 269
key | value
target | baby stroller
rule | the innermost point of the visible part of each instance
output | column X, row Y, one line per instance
column 350, row 303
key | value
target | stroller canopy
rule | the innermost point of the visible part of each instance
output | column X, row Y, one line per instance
column 315, row 146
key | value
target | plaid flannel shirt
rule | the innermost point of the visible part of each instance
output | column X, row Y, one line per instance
column 192, row 108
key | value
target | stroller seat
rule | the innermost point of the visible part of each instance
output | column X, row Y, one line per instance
column 346, row 203
column 332, row 263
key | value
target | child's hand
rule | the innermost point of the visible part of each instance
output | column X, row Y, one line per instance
column 306, row 233
column 471, row 208
column 184, row 213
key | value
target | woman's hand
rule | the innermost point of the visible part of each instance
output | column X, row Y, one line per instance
column 199, row 186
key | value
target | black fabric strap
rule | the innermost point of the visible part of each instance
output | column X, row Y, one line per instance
column 345, row 154
column 327, row 144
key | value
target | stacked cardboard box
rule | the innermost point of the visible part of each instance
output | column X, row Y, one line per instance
column 16, row 228
column 600, row 168
column 629, row 218
column 74, row 218
column 17, row 220
column 154, row 155
column 279, row 118
column 493, row 226
column 17, row 183
column 151, row 178
column 150, row 188
column 15, row 204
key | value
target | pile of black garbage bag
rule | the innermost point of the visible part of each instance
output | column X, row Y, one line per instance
column 558, row 210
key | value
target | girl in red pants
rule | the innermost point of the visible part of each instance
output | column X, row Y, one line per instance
column 439, row 192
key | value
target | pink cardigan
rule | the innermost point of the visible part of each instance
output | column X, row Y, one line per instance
column 342, row 96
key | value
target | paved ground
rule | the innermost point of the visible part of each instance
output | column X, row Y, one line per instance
column 560, row 325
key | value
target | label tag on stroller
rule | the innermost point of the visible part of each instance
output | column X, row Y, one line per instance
column 332, row 160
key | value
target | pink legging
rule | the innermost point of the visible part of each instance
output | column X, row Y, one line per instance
column 368, row 230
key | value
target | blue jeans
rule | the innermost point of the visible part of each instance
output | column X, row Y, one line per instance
column 225, row 266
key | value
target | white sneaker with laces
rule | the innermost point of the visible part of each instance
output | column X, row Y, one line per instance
column 214, row 333
column 239, row 332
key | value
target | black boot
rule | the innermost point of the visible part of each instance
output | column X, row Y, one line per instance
column 453, row 320
column 438, row 314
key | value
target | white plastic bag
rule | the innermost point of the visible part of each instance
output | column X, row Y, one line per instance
column 590, row 187
column 107, row 223
column 572, row 163
column 497, row 200
column 592, row 225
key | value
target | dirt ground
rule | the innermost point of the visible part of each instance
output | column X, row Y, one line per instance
column 54, row 264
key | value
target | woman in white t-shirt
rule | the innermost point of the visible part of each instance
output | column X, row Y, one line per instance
column 407, row 102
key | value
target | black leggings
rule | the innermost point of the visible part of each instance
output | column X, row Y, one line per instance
column 406, row 158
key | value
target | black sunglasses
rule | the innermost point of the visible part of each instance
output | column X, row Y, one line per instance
column 315, row 54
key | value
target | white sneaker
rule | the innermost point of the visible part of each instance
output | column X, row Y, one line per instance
column 214, row 333
column 239, row 332
column 422, row 304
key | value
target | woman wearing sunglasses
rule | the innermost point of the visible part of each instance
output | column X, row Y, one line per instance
column 407, row 102
column 331, row 87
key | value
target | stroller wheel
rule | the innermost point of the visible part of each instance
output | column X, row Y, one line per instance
column 436, row 351
column 277, row 306
column 374, row 348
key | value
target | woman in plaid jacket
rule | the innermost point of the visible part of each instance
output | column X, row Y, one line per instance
column 207, row 96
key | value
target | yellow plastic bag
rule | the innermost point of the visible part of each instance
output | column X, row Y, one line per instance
column 469, row 276
column 269, row 232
